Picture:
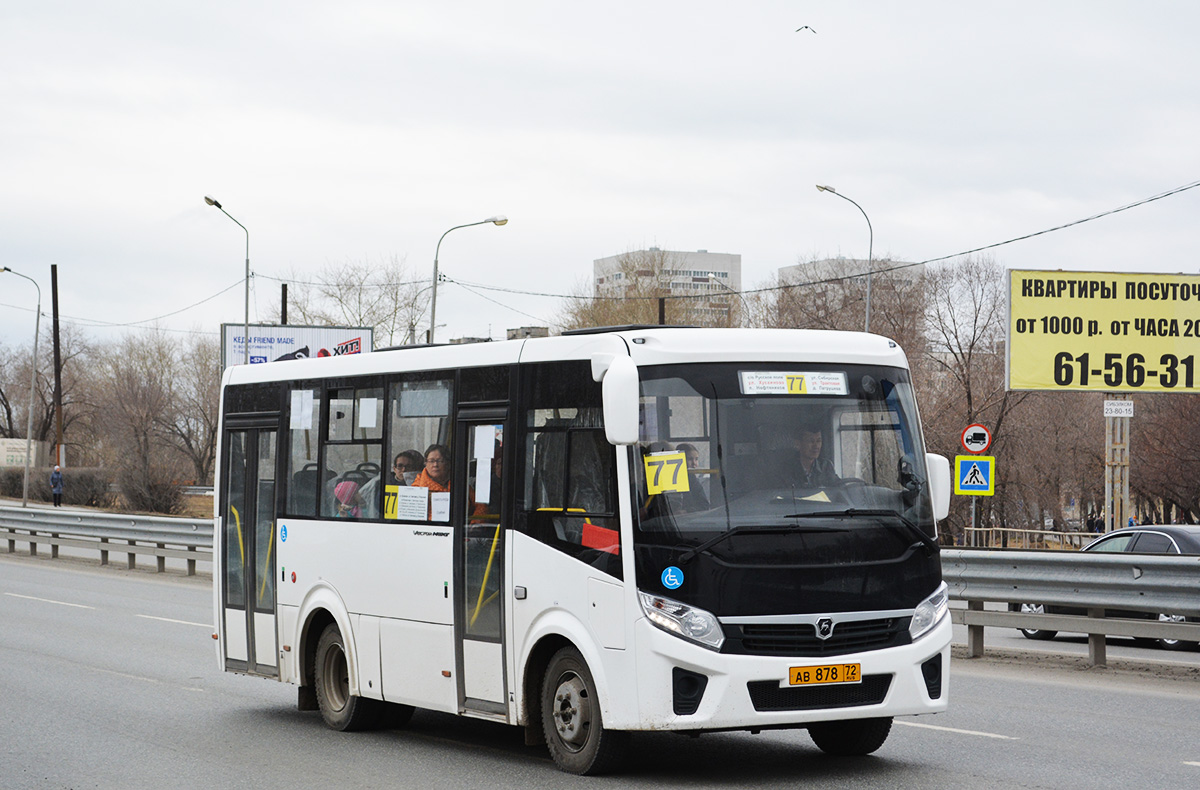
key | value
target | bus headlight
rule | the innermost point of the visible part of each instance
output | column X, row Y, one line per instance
column 682, row 620
column 929, row 612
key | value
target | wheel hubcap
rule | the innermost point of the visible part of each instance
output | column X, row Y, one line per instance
column 337, row 677
column 1171, row 618
column 572, row 711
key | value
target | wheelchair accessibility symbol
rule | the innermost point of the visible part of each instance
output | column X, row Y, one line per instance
column 283, row 534
column 672, row 578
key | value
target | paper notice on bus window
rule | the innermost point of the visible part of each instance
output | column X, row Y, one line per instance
column 412, row 503
column 366, row 412
column 485, row 442
column 483, row 484
column 439, row 502
column 771, row 382
column 302, row 409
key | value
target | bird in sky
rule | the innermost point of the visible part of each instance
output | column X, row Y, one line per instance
column 806, row 27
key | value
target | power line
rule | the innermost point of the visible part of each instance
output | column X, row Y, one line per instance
column 493, row 301
column 898, row 267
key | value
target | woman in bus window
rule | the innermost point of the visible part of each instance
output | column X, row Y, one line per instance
column 436, row 474
column 349, row 503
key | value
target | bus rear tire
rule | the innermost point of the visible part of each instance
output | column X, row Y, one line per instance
column 571, row 720
column 850, row 738
column 340, row 709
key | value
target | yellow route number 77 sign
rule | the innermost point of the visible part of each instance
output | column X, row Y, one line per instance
column 666, row 472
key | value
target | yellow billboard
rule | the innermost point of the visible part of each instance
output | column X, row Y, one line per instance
column 1103, row 331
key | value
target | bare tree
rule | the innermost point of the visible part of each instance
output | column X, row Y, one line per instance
column 384, row 296
column 831, row 294
column 962, row 376
column 136, row 394
column 1165, row 471
column 76, row 358
column 191, row 421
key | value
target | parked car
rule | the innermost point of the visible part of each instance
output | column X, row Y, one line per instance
column 1148, row 539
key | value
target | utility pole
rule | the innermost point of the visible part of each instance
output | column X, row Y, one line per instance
column 58, row 406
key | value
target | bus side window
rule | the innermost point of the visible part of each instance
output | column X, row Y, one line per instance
column 304, row 478
column 419, row 412
column 570, row 485
column 353, row 453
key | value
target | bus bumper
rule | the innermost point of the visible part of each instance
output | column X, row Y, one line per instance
column 751, row 692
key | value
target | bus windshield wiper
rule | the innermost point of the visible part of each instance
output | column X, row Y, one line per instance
column 729, row 533
column 855, row 512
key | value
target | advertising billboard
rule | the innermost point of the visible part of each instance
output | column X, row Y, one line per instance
column 272, row 343
column 1103, row 331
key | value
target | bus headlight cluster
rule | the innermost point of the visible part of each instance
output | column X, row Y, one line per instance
column 682, row 620
column 929, row 612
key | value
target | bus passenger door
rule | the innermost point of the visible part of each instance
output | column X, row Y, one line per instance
column 248, row 566
column 481, row 571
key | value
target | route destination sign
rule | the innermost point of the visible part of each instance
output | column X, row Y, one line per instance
column 1103, row 331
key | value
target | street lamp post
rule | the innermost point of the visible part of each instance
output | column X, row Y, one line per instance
column 499, row 219
column 712, row 277
column 870, row 248
column 37, row 318
column 246, row 328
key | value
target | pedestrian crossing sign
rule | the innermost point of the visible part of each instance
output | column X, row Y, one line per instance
column 975, row 475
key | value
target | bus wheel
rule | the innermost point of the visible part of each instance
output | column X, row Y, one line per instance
column 852, row 737
column 575, row 734
column 340, row 709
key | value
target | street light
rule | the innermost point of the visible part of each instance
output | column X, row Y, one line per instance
column 870, row 248
column 712, row 276
column 246, row 329
column 499, row 219
column 37, row 318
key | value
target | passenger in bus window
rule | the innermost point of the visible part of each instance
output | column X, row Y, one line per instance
column 349, row 503
column 406, row 466
column 690, row 453
column 436, row 474
column 696, row 498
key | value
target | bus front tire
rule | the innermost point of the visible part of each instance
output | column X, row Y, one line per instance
column 571, row 720
column 852, row 737
column 340, row 709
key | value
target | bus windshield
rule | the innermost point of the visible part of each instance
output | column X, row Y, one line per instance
column 730, row 453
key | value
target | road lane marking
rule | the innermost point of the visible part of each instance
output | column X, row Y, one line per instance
column 959, row 732
column 47, row 600
column 1185, row 762
column 169, row 620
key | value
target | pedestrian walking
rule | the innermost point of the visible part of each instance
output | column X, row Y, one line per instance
column 56, row 485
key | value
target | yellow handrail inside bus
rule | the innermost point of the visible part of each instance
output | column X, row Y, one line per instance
column 487, row 571
column 267, row 565
column 238, row 521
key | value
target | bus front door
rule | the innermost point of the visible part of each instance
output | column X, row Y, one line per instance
column 248, row 556
column 481, row 571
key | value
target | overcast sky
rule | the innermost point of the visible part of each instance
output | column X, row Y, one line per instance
column 363, row 130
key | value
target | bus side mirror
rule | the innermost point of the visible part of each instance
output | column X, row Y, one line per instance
column 621, row 395
column 939, row 484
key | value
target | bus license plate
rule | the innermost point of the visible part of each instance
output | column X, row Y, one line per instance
column 828, row 673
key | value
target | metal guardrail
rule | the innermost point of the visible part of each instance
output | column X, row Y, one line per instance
column 1097, row 582
column 160, row 536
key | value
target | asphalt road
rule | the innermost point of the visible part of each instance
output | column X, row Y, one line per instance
column 109, row 679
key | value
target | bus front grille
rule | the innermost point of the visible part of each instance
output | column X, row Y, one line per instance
column 767, row 695
column 801, row 639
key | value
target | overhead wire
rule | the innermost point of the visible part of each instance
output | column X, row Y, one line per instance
column 897, row 267
column 469, row 286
